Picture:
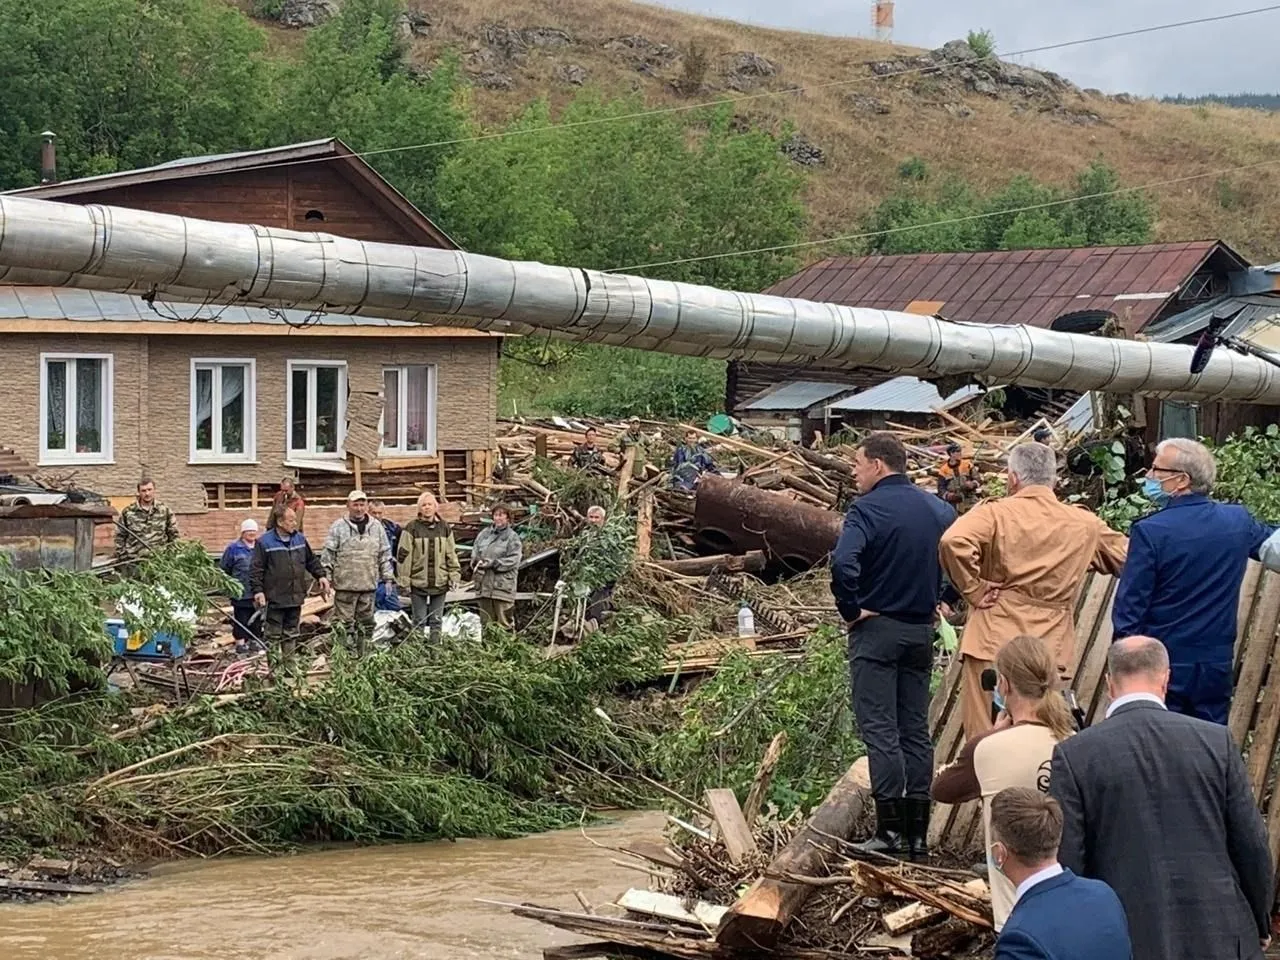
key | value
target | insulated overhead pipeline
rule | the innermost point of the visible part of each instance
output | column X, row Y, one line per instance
column 184, row 259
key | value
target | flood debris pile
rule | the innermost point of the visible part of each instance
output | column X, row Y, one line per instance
column 731, row 884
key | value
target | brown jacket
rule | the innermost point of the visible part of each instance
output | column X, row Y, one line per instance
column 1037, row 550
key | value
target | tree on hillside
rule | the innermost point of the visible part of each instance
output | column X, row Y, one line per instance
column 952, row 216
column 354, row 82
column 610, row 195
column 126, row 83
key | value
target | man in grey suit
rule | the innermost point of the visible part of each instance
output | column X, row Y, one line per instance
column 1157, row 805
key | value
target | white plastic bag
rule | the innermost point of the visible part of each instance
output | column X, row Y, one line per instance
column 461, row 625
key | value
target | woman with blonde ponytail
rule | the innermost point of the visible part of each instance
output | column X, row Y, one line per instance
column 1017, row 752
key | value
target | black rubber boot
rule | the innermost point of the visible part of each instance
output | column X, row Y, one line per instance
column 889, row 838
column 916, row 827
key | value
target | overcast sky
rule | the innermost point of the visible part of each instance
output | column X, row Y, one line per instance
column 1230, row 57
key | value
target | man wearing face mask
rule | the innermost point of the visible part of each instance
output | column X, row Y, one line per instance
column 1181, row 582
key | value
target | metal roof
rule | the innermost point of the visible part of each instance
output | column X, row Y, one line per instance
column 1079, row 416
column 1011, row 286
column 89, row 306
column 1247, row 312
column 797, row 395
column 905, row 395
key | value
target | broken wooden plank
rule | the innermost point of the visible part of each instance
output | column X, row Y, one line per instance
column 669, row 907
column 47, row 886
column 911, row 917
column 654, row 853
column 734, row 832
column 764, row 911
column 909, row 889
column 763, row 778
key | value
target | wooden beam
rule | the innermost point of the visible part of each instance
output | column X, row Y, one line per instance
column 222, row 496
column 644, row 527
column 753, row 561
column 764, row 776
column 759, row 917
column 540, row 445
column 47, row 886
column 734, row 832
column 624, row 473
column 358, row 466
column 253, row 496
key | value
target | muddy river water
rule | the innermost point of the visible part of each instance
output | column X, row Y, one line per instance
column 381, row 903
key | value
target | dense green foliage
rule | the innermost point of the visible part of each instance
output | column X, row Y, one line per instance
column 453, row 739
column 1246, row 474
column 126, row 83
column 925, row 215
column 729, row 720
column 602, row 381
column 619, row 195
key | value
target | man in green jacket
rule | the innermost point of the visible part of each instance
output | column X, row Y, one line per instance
column 144, row 527
column 427, row 564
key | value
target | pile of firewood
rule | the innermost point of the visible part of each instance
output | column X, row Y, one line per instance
column 731, row 884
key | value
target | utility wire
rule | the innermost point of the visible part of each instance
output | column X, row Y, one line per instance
column 722, row 101
column 948, row 222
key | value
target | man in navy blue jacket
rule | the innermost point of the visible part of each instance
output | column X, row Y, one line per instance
column 1057, row 915
column 887, row 582
column 1181, row 581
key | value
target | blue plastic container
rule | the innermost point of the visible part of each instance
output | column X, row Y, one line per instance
column 159, row 646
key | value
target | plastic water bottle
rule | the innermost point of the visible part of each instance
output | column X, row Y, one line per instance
column 746, row 621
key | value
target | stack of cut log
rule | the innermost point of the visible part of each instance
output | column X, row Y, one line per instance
column 729, row 886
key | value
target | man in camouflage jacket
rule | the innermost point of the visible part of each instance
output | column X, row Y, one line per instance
column 144, row 526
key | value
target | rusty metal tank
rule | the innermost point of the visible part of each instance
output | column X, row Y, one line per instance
column 731, row 516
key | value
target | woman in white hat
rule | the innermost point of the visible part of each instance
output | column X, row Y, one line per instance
column 236, row 561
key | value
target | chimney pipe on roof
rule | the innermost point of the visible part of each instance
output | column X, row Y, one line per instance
column 49, row 158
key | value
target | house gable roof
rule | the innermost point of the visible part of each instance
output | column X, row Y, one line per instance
column 389, row 201
column 1013, row 286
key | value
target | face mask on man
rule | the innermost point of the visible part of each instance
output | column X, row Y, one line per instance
column 1154, row 491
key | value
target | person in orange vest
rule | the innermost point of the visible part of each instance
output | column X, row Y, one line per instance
column 958, row 480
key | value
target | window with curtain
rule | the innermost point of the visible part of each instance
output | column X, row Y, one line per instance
column 222, row 410
column 408, row 410
column 317, row 409
column 75, row 414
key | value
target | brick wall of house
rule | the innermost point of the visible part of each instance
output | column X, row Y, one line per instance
column 152, row 401
column 216, row 528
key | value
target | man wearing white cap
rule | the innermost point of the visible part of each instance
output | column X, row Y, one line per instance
column 236, row 562
column 358, row 557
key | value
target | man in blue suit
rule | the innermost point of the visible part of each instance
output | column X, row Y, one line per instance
column 1181, row 581
column 1057, row 915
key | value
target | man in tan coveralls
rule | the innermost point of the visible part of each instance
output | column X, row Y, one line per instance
column 1020, row 562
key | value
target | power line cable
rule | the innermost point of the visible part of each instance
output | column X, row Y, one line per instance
column 871, row 234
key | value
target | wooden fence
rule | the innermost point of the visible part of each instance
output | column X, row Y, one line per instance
column 1255, row 710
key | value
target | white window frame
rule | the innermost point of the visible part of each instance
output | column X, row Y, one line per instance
column 67, row 457
column 295, row 454
column 402, row 369
column 250, row 454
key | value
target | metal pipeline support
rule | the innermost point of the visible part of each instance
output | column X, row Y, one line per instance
column 134, row 251
column 733, row 517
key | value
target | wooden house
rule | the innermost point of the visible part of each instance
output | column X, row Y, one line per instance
column 217, row 404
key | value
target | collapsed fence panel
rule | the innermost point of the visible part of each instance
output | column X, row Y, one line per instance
column 1255, row 709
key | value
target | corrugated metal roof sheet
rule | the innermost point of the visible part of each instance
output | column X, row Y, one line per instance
column 1247, row 312
column 905, row 395
column 1079, row 416
column 95, row 306
column 797, row 395
column 1010, row 286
